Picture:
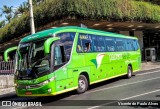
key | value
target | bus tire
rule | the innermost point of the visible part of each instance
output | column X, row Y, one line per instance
column 129, row 72
column 82, row 84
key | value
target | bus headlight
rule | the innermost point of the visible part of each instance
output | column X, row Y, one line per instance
column 53, row 78
column 15, row 84
column 47, row 81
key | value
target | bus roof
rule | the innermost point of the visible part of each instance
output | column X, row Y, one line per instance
column 50, row 32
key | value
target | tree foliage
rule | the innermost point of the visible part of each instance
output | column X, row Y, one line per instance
column 8, row 11
column 2, row 23
column 49, row 11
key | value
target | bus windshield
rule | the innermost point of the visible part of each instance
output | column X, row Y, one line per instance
column 32, row 61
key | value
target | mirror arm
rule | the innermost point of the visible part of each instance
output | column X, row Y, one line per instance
column 6, row 53
column 47, row 44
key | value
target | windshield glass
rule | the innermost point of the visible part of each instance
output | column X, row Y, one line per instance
column 32, row 62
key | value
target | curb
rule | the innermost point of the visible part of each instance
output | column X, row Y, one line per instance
column 155, row 68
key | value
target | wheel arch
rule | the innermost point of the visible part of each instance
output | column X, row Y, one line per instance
column 86, row 75
column 130, row 65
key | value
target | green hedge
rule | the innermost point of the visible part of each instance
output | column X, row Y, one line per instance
column 110, row 10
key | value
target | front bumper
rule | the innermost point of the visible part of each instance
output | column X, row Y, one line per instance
column 44, row 90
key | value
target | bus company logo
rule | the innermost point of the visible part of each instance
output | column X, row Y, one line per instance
column 98, row 60
column 115, row 57
column 6, row 103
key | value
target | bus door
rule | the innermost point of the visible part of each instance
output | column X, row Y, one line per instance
column 86, row 55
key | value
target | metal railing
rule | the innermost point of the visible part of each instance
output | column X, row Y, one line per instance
column 6, row 67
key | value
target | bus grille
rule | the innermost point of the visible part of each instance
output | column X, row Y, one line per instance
column 28, row 86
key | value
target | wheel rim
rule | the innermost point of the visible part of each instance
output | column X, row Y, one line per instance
column 129, row 72
column 82, row 84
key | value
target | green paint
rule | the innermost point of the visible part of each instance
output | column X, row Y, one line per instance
column 99, row 66
column 95, row 62
column 6, row 53
column 50, row 32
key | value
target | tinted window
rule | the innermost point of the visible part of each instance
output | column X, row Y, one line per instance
column 129, row 45
column 110, row 44
column 98, row 43
column 120, row 46
column 135, row 44
column 84, row 43
column 66, row 41
column 58, row 56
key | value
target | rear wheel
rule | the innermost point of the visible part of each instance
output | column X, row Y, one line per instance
column 129, row 72
column 82, row 84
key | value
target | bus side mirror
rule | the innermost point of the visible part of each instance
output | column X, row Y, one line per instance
column 7, row 51
column 47, row 44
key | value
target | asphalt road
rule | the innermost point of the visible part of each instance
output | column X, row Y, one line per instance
column 142, row 91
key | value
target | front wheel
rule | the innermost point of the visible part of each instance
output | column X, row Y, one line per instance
column 82, row 84
column 129, row 72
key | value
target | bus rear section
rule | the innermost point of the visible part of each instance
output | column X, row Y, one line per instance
column 108, row 56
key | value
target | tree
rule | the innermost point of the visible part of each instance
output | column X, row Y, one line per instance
column 37, row 2
column 2, row 23
column 6, row 9
column 21, row 9
column 8, row 17
column 8, row 12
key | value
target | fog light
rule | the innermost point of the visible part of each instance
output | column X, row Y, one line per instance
column 49, row 90
column 15, row 84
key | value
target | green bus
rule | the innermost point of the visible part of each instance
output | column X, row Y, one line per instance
column 69, row 58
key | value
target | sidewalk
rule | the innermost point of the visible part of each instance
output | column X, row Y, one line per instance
column 150, row 65
column 6, row 90
column 145, row 67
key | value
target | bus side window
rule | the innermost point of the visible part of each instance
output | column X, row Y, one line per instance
column 128, row 44
column 135, row 44
column 84, row 43
column 95, row 48
column 58, row 56
column 79, row 48
column 110, row 44
column 99, row 43
column 65, row 43
column 120, row 44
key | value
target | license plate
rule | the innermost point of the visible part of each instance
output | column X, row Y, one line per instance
column 28, row 93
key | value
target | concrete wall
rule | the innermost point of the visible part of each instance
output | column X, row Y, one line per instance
column 124, row 32
column 139, row 35
column 6, row 81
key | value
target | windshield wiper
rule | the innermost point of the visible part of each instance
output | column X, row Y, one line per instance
column 39, row 60
column 41, row 65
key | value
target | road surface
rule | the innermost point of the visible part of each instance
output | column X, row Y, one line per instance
column 142, row 91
